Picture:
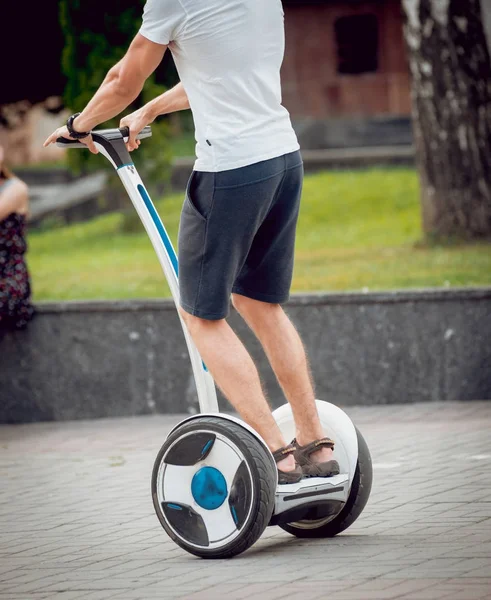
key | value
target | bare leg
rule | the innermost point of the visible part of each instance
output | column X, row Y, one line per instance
column 236, row 375
column 288, row 359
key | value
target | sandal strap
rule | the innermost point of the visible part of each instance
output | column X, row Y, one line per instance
column 281, row 453
column 315, row 445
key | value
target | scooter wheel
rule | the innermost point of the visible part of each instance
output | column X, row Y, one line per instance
column 357, row 499
column 213, row 487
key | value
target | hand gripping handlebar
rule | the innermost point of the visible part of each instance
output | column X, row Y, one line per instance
column 112, row 140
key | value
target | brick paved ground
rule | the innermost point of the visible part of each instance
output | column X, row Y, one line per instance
column 76, row 520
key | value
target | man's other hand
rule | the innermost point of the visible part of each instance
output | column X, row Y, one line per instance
column 136, row 121
column 63, row 132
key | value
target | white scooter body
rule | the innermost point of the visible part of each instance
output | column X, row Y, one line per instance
column 340, row 429
column 338, row 426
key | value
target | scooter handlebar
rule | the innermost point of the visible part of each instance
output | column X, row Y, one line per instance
column 144, row 133
column 108, row 134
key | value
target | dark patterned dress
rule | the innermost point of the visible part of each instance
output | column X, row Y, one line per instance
column 15, row 289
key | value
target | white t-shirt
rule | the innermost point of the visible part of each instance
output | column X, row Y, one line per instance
column 228, row 54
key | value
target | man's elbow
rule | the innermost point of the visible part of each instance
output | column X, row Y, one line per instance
column 123, row 83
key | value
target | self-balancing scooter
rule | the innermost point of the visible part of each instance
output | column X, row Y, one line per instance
column 214, row 482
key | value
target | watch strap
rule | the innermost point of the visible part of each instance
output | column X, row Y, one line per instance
column 78, row 135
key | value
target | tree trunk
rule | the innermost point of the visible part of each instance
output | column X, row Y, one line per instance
column 486, row 19
column 451, row 96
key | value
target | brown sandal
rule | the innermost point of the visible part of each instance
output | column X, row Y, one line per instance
column 287, row 476
column 310, row 468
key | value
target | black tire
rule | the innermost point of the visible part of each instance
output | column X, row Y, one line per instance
column 357, row 499
column 263, row 472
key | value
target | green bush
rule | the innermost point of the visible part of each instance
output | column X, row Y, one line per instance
column 96, row 38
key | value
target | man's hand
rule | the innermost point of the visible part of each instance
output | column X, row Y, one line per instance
column 63, row 132
column 136, row 121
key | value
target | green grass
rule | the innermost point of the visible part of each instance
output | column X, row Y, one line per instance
column 357, row 229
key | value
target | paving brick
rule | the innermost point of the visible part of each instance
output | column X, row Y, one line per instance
column 32, row 595
column 73, row 526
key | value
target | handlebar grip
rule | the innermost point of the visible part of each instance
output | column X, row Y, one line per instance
column 144, row 133
column 108, row 134
column 62, row 142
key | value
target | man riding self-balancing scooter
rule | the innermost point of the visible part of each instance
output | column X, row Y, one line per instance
column 219, row 481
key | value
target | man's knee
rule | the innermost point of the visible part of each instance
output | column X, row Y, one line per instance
column 248, row 307
column 196, row 324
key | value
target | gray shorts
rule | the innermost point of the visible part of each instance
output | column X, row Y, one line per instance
column 237, row 234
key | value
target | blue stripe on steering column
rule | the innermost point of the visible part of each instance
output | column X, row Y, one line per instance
column 159, row 225
column 162, row 232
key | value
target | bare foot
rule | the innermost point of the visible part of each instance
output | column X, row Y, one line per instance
column 286, row 464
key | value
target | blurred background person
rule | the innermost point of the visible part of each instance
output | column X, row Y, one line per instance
column 15, row 289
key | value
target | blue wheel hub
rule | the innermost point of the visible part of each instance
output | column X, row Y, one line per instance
column 209, row 488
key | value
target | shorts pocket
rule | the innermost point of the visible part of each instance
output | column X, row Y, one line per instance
column 192, row 234
column 192, row 228
column 199, row 194
column 191, row 251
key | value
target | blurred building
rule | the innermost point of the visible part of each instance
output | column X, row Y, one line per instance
column 345, row 75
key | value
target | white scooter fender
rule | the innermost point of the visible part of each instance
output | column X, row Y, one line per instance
column 332, row 491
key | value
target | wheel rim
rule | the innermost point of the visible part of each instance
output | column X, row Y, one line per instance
column 209, row 503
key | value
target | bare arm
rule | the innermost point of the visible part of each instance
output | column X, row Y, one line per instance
column 14, row 199
column 121, row 86
column 170, row 101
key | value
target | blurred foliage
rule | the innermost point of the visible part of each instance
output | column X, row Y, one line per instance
column 96, row 38
column 357, row 230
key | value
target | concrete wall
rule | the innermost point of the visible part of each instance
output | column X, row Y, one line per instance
column 85, row 360
column 355, row 133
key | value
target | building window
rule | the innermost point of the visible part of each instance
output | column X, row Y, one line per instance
column 357, row 44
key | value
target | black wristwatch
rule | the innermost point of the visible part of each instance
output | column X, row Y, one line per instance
column 78, row 135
